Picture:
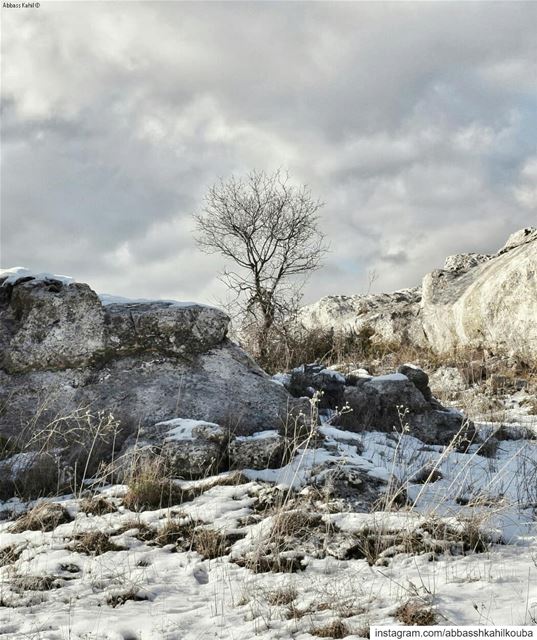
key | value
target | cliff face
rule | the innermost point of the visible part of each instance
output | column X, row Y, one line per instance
column 486, row 301
column 61, row 348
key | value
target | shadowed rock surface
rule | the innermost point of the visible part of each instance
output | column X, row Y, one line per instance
column 395, row 403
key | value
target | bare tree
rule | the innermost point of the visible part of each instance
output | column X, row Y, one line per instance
column 268, row 228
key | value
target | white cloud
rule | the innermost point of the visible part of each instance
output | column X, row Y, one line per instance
column 412, row 121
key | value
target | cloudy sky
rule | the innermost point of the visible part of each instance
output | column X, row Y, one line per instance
column 414, row 122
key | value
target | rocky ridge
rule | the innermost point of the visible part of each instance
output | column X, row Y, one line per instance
column 475, row 301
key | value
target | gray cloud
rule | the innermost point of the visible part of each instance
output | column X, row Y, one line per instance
column 412, row 121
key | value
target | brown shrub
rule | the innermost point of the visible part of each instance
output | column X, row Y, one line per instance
column 35, row 583
column 178, row 532
column 282, row 595
column 149, row 490
column 143, row 531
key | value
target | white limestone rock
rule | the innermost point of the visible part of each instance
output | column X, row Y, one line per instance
column 392, row 317
column 492, row 306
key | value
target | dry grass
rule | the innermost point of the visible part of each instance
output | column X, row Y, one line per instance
column 209, row 543
column 43, row 517
column 143, row 531
column 175, row 531
column 150, row 488
column 292, row 528
column 271, row 563
column 186, row 534
column 95, row 543
column 96, row 505
column 334, row 629
column 377, row 545
column 282, row 596
column 60, row 452
column 8, row 447
column 293, row 523
column 416, row 613
column 9, row 555
column 472, row 538
column 34, row 583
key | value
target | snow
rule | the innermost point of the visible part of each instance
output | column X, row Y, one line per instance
column 108, row 299
column 260, row 435
column 296, row 473
column 14, row 274
column 360, row 373
column 383, row 521
column 183, row 428
column 390, row 377
column 282, row 379
column 185, row 596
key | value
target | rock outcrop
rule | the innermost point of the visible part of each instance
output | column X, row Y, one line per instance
column 478, row 301
column 190, row 448
column 395, row 403
column 464, row 261
column 401, row 402
column 393, row 318
column 491, row 305
column 62, row 349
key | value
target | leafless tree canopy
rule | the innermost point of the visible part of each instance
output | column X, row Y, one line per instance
column 268, row 228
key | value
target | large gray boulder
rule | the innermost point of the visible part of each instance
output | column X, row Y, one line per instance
column 464, row 261
column 308, row 379
column 48, row 324
column 144, row 361
column 165, row 328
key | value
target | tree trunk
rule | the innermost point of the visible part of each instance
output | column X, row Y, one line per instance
column 264, row 334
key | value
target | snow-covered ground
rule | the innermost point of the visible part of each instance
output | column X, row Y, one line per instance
column 52, row 590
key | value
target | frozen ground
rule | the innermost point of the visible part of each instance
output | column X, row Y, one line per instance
column 52, row 589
